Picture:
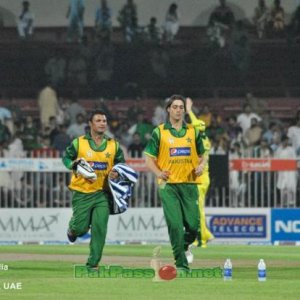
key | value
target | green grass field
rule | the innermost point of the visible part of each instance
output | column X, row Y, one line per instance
column 46, row 272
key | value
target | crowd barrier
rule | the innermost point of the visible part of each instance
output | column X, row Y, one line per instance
column 43, row 182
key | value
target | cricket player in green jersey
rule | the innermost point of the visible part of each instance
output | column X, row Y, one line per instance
column 174, row 155
column 90, row 201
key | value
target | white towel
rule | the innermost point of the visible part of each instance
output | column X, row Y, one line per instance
column 121, row 188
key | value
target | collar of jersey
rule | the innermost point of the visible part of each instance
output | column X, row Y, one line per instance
column 93, row 144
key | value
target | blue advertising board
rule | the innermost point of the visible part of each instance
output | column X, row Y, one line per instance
column 285, row 224
column 239, row 226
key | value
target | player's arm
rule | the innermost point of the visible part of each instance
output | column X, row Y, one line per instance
column 119, row 158
column 71, row 154
column 203, row 159
column 195, row 121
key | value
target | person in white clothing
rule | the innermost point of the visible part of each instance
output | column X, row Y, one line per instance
column 244, row 119
column 25, row 21
column 171, row 25
column 286, row 180
column 294, row 135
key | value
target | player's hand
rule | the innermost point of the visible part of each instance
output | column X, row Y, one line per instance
column 199, row 170
column 188, row 104
column 113, row 175
column 164, row 175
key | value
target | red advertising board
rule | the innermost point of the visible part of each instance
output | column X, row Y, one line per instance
column 263, row 165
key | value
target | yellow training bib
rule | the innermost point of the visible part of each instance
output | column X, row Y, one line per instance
column 100, row 161
column 178, row 155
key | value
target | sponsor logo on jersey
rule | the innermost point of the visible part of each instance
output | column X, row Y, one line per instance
column 100, row 166
column 180, row 151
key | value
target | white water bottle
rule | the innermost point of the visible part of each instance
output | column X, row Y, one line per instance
column 261, row 271
column 227, row 272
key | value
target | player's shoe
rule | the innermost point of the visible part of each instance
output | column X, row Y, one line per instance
column 206, row 238
column 92, row 268
column 71, row 237
column 189, row 255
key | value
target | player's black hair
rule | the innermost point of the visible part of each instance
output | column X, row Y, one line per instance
column 173, row 98
column 96, row 112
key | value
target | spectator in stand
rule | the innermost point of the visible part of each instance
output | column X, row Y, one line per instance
column 75, row 15
column 30, row 134
column 4, row 133
column 6, row 118
column 263, row 150
column 103, row 23
column 272, row 132
column 14, row 150
column 214, row 130
column 261, row 18
column 78, row 128
column 217, row 33
column 294, row 135
column 15, row 110
column 171, row 25
column 153, row 31
column 128, row 20
column 55, row 70
column 61, row 140
column 218, row 147
column 277, row 19
column 74, row 109
column 136, row 148
column 223, row 14
column 244, row 119
column 235, row 186
column 286, row 180
column 233, row 130
column 143, row 128
column 25, row 21
column 53, row 129
column 123, row 135
column 160, row 114
column 253, row 134
column 206, row 115
column 62, row 117
column 48, row 105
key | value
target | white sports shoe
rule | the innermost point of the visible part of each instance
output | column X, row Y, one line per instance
column 189, row 255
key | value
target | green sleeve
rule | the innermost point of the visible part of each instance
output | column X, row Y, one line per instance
column 152, row 147
column 199, row 143
column 119, row 158
column 70, row 154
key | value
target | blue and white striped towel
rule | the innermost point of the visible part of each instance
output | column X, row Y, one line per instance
column 121, row 188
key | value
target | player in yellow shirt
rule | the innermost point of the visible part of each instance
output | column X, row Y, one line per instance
column 206, row 235
column 91, row 199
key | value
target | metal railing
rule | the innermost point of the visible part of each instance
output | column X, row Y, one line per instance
column 48, row 188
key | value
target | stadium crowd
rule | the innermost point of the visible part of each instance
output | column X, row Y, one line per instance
column 254, row 132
